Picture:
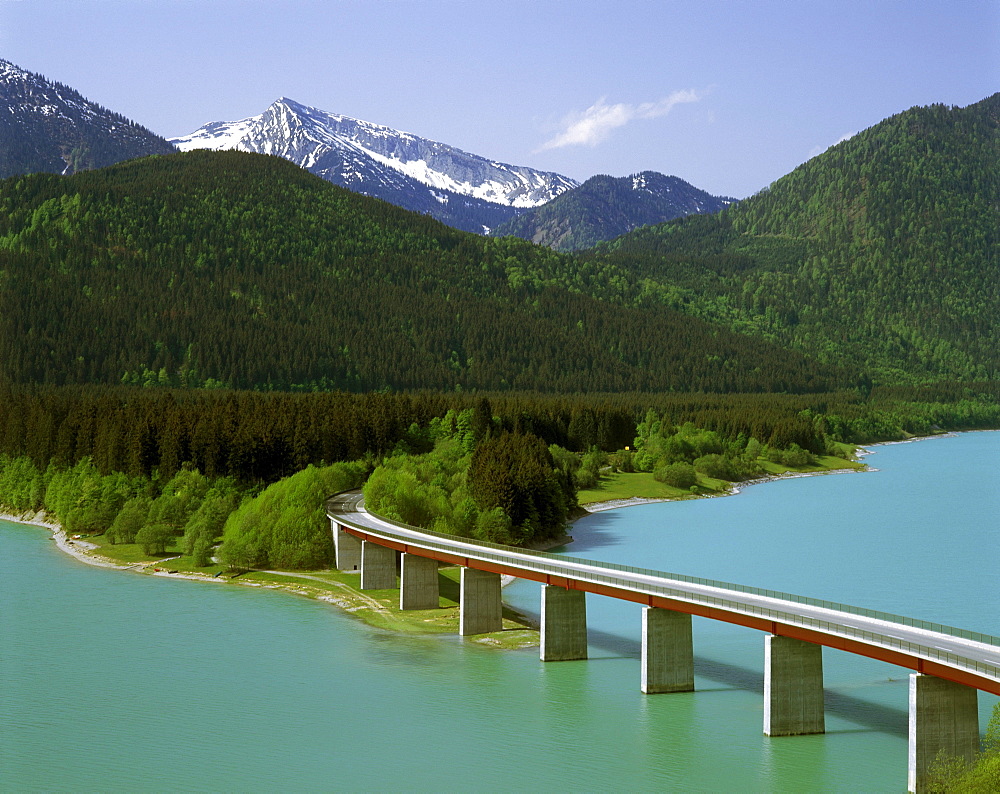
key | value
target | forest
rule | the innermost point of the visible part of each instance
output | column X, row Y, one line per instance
column 879, row 254
column 875, row 262
column 198, row 347
column 185, row 263
column 264, row 436
column 187, row 468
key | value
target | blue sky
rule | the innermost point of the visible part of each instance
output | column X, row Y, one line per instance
column 727, row 95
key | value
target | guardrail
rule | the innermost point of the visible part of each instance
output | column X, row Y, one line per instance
column 609, row 574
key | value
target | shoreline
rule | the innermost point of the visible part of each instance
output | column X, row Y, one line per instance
column 636, row 501
column 83, row 551
column 862, row 452
column 352, row 600
column 62, row 540
column 518, row 633
column 615, row 504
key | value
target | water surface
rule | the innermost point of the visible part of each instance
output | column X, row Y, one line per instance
column 117, row 682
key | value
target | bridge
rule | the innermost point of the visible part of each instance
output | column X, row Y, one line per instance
column 950, row 664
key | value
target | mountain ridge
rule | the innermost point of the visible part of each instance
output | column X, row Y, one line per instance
column 882, row 253
column 605, row 207
column 878, row 256
column 172, row 269
column 52, row 128
column 405, row 169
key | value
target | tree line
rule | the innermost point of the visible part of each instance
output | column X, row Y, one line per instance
column 185, row 468
column 264, row 436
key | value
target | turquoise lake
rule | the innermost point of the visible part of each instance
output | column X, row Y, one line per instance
column 111, row 681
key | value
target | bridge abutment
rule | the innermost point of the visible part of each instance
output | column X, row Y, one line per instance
column 667, row 651
column 378, row 566
column 563, row 631
column 418, row 582
column 480, row 608
column 793, row 687
column 944, row 718
column 347, row 548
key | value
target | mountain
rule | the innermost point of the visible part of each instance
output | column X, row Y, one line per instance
column 49, row 127
column 458, row 188
column 606, row 207
column 244, row 270
column 881, row 253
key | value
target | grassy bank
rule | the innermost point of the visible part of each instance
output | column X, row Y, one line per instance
column 379, row 608
column 619, row 486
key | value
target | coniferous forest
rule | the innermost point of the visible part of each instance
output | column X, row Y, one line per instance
column 241, row 270
column 263, row 436
column 881, row 253
column 231, row 315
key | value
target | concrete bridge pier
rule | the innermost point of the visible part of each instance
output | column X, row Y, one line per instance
column 564, row 624
column 944, row 718
column 793, row 687
column 667, row 651
column 418, row 582
column 378, row 566
column 347, row 547
column 480, row 607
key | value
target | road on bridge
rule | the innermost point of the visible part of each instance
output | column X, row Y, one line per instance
column 961, row 656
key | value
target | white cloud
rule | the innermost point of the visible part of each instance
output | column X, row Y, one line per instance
column 820, row 149
column 595, row 124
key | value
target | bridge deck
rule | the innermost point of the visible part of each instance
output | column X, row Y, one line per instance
column 965, row 657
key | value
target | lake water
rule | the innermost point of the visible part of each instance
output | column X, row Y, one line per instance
column 115, row 682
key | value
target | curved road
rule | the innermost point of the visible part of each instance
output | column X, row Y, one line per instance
column 954, row 654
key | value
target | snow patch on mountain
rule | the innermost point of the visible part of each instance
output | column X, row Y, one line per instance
column 354, row 152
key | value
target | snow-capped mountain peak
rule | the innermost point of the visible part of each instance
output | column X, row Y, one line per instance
column 378, row 160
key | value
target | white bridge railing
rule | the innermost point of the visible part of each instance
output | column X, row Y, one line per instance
column 976, row 653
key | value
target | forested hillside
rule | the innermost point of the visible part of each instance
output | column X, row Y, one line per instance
column 212, row 269
column 881, row 253
column 874, row 262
